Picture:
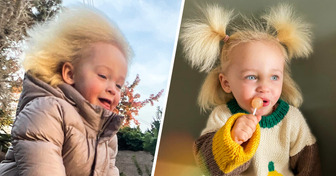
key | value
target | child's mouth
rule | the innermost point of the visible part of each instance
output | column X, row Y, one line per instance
column 106, row 103
column 266, row 102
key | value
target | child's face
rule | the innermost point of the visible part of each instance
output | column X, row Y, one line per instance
column 101, row 74
column 256, row 70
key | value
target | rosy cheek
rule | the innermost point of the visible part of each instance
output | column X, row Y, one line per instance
column 116, row 101
column 246, row 95
column 117, row 97
column 96, row 88
column 93, row 92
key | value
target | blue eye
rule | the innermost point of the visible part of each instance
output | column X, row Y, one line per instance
column 274, row 77
column 251, row 77
column 102, row 76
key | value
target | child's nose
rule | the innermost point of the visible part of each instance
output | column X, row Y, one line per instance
column 111, row 89
column 263, row 87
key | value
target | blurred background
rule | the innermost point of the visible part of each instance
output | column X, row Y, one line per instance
column 183, row 121
column 149, row 26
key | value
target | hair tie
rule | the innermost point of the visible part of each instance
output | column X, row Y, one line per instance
column 226, row 38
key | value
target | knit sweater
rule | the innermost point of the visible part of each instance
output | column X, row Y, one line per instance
column 282, row 144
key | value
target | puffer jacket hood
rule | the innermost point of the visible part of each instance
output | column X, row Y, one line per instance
column 61, row 133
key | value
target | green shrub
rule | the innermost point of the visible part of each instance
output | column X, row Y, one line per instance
column 135, row 140
column 130, row 139
column 5, row 142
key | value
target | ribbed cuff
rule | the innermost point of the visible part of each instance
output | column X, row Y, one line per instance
column 227, row 153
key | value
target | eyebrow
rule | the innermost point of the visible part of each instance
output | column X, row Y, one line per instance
column 103, row 66
column 256, row 70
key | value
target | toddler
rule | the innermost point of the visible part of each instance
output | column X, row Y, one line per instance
column 253, row 62
column 75, row 67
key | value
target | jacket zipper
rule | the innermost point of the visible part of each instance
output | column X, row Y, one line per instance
column 97, row 141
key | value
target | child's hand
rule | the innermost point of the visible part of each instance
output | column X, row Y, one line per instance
column 244, row 127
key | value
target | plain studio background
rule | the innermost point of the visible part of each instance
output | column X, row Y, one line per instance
column 183, row 121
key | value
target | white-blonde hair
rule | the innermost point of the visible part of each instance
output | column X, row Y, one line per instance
column 66, row 38
column 206, row 46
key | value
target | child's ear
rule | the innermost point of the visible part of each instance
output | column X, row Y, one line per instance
column 224, row 83
column 68, row 73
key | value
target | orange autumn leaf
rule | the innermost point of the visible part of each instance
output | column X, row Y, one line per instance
column 130, row 102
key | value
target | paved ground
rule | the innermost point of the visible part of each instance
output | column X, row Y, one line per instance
column 126, row 164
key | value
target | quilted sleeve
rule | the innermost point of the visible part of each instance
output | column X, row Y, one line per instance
column 38, row 137
column 113, row 127
column 113, row 150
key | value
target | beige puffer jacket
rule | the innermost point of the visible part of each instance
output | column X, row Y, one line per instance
column 57, row 132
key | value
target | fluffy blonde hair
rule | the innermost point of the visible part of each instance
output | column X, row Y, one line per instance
column 66, row 38
column 205, row 49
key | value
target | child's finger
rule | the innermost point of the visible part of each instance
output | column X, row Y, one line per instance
column 250, row 128
column 239, row 142
column 236, row 138
column 253, row 119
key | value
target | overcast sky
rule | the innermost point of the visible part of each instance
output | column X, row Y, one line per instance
column 150, row 26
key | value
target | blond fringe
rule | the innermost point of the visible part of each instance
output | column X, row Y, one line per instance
column 201, row 38
column 291, row 30
column 65, row 38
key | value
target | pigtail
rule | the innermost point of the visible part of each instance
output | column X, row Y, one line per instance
column 291, row 31
column 201, row 38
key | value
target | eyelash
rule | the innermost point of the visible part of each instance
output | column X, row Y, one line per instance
column 251, row 77
column 102, row 76
column 119, row 86
column 275, row 76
